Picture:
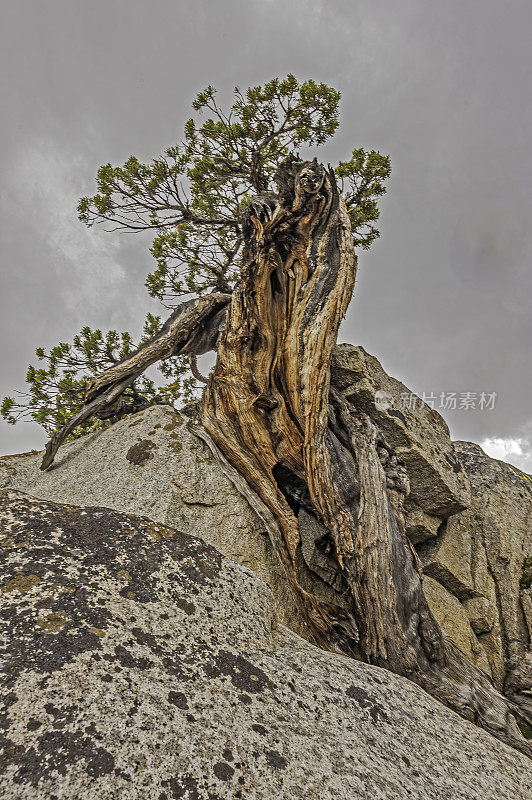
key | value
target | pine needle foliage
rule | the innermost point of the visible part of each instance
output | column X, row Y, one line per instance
column 192, row 197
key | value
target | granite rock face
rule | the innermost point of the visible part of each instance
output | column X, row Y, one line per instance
column 141, row 663
column 501, row 517
column 453, row 618
column 469, row 516
column 418, row 434
column 499, row 524
column 152, row 464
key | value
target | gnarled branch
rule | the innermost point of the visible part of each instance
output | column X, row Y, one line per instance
column 194, row 327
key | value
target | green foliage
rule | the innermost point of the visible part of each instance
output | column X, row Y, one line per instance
column 362, row 181
column 56, row 388
column 192, row 197
column 524, row 726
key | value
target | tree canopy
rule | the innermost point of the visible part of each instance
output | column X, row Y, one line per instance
column 192, row 197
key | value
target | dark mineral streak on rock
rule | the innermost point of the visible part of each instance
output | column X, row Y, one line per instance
column 364, row 700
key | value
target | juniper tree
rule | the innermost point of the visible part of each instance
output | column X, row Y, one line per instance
column 192, row 198
column 259, row 244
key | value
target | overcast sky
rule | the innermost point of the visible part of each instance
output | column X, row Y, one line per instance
column 443, row 299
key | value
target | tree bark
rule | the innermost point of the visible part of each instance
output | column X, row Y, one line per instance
column 301, row 454
column 297, row 450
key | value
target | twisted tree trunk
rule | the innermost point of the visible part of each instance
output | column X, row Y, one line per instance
column 300, row 454
column 303, row 457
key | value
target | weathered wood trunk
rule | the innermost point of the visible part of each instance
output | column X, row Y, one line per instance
column 297, row 450
column 300, row 453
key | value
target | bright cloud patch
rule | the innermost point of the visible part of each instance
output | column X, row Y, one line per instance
column 515, row 451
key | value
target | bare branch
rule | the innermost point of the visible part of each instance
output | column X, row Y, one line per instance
column 194, row 327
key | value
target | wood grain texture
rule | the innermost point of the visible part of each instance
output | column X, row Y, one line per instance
column 271, row 420
column 298, row 451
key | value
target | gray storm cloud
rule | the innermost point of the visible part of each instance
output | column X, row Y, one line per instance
column 443, row 298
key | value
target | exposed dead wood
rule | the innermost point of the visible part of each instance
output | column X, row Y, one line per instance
column 194, row 327
column 269, row 416
column 300, row 453
column 193, row 362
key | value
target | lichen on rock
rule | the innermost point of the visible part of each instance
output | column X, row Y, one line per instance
column 166, row 674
